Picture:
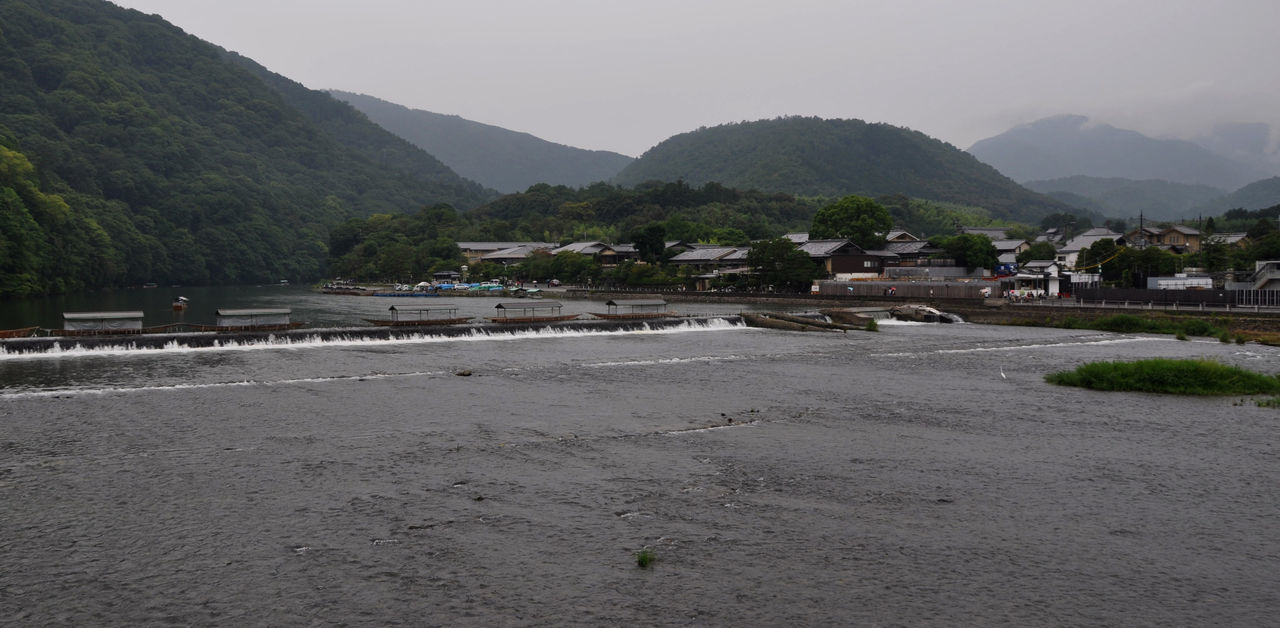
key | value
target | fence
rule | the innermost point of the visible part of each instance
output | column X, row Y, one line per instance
column 915, row 290
column 1265, row 298
column 1217, row 297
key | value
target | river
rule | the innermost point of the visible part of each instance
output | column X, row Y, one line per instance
column 921, row 475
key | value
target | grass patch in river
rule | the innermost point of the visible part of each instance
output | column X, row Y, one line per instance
column 1131, row 324
column 645, row 558
column 1178, row 377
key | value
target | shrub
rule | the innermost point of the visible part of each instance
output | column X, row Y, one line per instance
column 1131, row 324
column 1120, row 323
column 645, row 558
column 1198, row 327
column 872, row 325
column 1184, row 377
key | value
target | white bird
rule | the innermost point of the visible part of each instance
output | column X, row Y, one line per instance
column 1002, row 375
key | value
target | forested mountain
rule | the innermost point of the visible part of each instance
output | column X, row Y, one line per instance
column 135, row 152
column 1257, row 195
column 507, row 161
column 1126, row 198
column 813, row 156
column 1069, row 145
column 354, row 130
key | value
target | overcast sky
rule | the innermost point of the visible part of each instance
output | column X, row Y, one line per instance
column 623, row 76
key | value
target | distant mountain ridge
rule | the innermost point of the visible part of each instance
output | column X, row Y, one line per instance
column 1124, row 198
column 351, row 128
column 819, row 157
column 1257, row 195
column 1072, row 145
column 505, row 160
column 1159, row 200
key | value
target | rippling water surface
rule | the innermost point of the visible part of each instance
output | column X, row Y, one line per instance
column 922, row 475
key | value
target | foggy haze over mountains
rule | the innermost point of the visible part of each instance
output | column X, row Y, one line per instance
column 1064, row 146
column 610, row 76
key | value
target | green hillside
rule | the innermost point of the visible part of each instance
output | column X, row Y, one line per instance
column 1257, row 195
column 354, row 130
column 507, row 161
column 163, row 160
column 812, row 156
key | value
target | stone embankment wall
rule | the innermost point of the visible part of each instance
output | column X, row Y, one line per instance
column 1235, row 320
column 987, row 311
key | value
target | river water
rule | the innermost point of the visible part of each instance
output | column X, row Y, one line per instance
column 922, row 475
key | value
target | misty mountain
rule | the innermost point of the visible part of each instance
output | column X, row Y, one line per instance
column 133, row 152
column 507, row 161
column 1070, row 145
column 817, row 157
column 1124, row 198
column 1246, row 142
column 1257, row 195
column 351, row 128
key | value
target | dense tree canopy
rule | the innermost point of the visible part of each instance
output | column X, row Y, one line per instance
column 711, row 213
column 177, row 164
column 781, row 266
column 46, row 245
column 1100, row 258
column 1038, row 251
column 1068, row 224
column 650, row 242
column 968, row 250
column 860, row 219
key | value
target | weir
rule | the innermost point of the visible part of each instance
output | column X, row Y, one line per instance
column 37, row 345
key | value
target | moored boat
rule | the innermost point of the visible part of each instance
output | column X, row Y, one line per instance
column 634, row 309
column 539, row 311
column 418, row 315
column 99, row 323
column 22, row 332
column 273, row 319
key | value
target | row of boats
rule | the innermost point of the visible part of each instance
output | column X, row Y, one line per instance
column 538, row 311
column 269, row 320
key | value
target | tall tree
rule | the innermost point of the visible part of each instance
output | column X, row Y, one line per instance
column 650, row 242
column 969, row 250
column 860, row 219
column 1100, row 258
column 1261, row 228
column 1070, row 224
column 1214, row 255
column 1038, row 251
column 781, row 265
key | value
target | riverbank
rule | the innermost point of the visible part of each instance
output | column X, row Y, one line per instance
column 1256, row 324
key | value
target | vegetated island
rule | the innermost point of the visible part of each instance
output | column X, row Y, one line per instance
column 1176, row 377
column 1220, row 327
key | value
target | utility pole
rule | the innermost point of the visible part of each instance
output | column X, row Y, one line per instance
column 1142, row 230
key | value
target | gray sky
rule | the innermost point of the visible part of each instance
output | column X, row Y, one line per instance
column 624, row 76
